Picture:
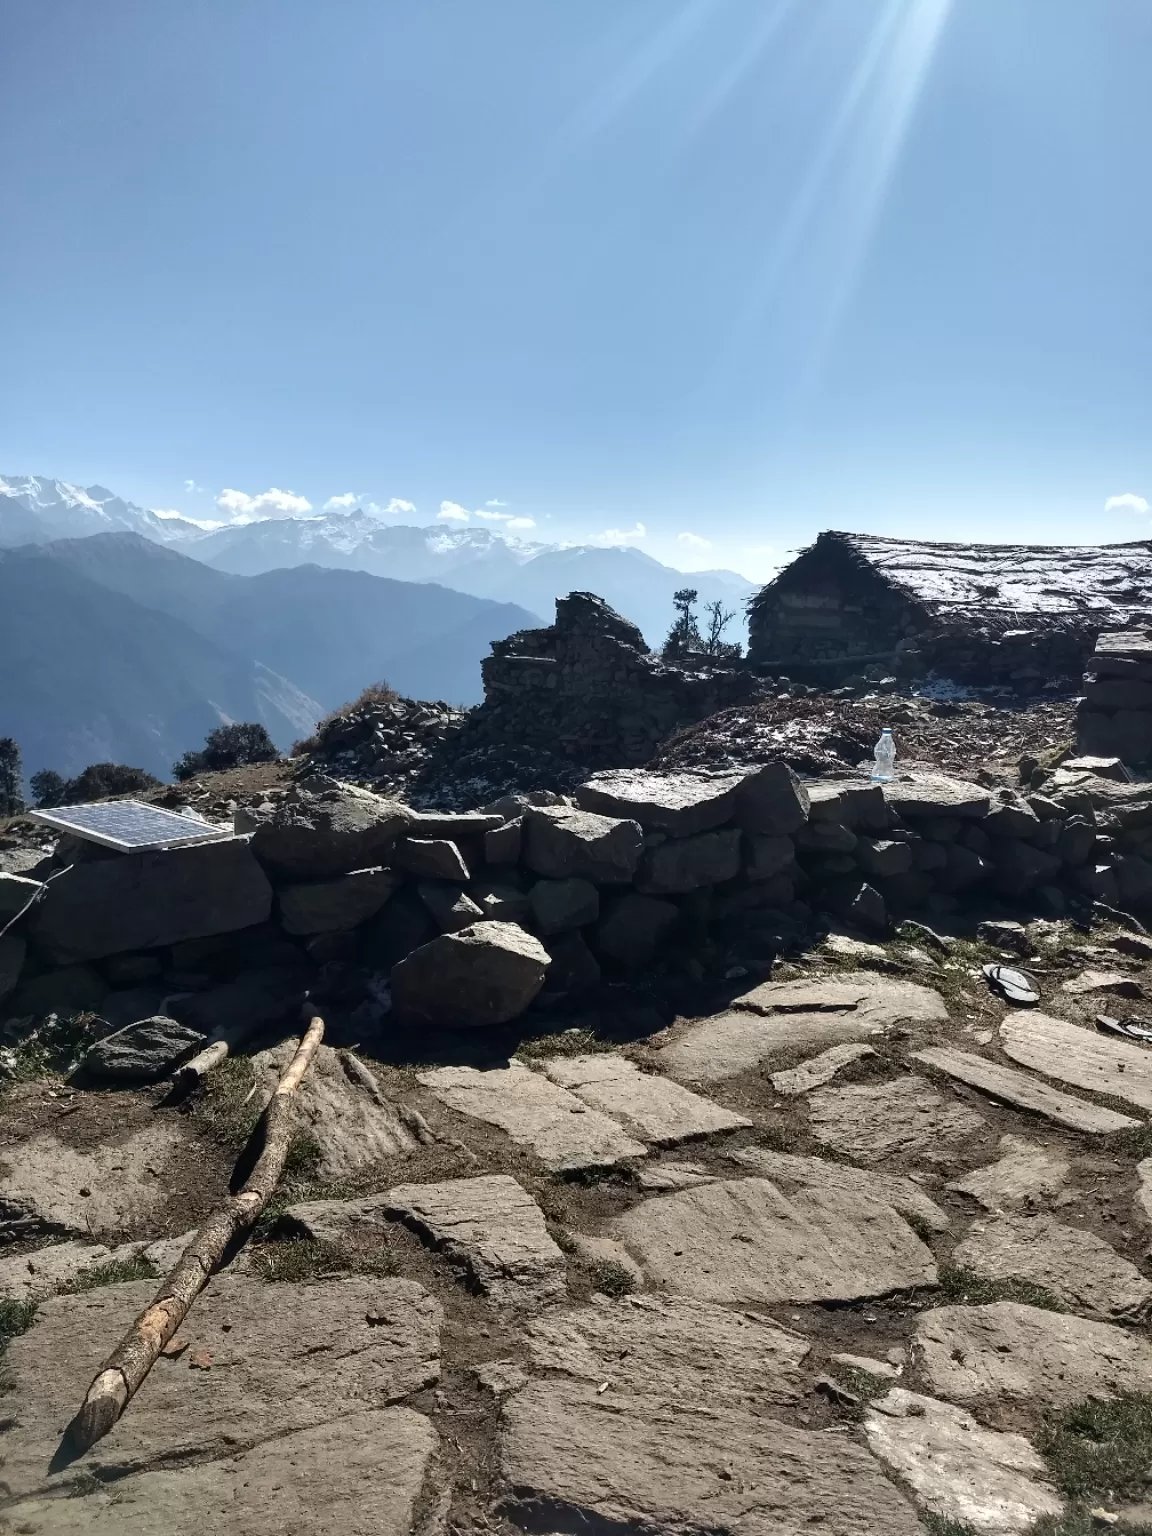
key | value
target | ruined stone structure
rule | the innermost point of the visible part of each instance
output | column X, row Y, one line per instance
column 980, row 613
column 589, row 688
column 1114, row 718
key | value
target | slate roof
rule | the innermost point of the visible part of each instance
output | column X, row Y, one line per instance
column 1054, row 583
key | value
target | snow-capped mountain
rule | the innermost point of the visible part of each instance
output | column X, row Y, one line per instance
column 34, row 511
column 477, row 561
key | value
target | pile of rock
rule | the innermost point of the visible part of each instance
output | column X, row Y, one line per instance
column 1115, row 715
column 472, row 916
column 387, row 741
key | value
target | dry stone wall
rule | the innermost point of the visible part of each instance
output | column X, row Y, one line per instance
column 328, row 887
column 1115, row 715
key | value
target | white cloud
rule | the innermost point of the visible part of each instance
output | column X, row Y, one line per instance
column 190, row 485
column 342, row 503
column 617, row 537
column 198, row 522
column 693, row 541
column 494, row 517
column 521, row 522
column 270, row 503
column 496, row 502
column 1128, row 502
column 451, row 512
column 395, row 506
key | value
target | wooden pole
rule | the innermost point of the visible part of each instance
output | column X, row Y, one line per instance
column 132, row 1359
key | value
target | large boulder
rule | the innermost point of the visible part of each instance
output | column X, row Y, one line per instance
column 853, row 804
column 335, row 906
column 432, row 858
column 71, row 989
column 560, row 842
column 771, row 800
column 486, row 974
column 309, row 835
column 12, row 948
column 686, row 863
column 147, row 900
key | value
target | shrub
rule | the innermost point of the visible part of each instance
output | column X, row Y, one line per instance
column 228, row 746
column 685, row 633
column 100, row 780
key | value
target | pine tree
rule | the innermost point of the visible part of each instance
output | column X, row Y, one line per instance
column 11, row 778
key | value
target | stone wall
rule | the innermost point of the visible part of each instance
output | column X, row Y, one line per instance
column 1114, row 718
column 589, row 688
column 472, row 916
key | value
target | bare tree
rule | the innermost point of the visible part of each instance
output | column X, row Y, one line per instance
column 718, row 618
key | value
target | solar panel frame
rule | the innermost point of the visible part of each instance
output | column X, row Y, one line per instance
column 110, row 825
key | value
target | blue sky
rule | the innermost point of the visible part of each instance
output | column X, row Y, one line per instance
column 706, row 274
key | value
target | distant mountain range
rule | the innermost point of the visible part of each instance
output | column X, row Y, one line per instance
column 118, row 648
column 472, row 560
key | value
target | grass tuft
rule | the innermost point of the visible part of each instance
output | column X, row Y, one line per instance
column 1101, row 1449
column 612, row 1278
column 228, row 1108
column 965, row 1285
column 15, row 1319
column 564, row 1042
column 303, row 1259
column 115, row 1272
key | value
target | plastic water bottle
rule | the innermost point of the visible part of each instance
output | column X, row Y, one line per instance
column 885, row 755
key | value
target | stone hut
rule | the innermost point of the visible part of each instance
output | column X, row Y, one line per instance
column 1019, row 614
column 588, row 688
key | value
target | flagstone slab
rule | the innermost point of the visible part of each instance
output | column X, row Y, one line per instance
column 573, row 1462
column 651, row 1108
column 984, row 1479
column 364, row 1471
column 1026, row 1175
column 261, row 1361
column 1024, row 1092
column 493, row 1227
column 744, row 1240
column 673, row 1349
column 818, row 1070
column 1008, row 1351
column 904, row 1117
column 562, row 1131
column 792, row 1172
column 779, row 1017
column 1079, row 1269
column 1084, row 1058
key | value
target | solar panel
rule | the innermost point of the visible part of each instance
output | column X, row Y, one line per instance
column 129, row 826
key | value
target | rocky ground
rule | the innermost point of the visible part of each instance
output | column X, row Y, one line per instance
column 859, row 1249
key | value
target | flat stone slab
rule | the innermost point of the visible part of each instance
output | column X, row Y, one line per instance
column 781, row 1016
column 558, row 1127
column 1082, row 1057
column 903, row 1117
column 1142, row 1204
column 935, row 794
column 679, row 803
column 1026, row 1175
column 1023, row 1092
column 495, row 1229
column 262, row 1361
column 1079, row 1269
column 648, row 1107
column 743, row 1240
column 573, row 1462
column 1027, row 1354
column 672, row 1350
column 981, row 1478
column 342, row 1106
column 362, row 1472
column 791, row 1172
column 675, row 1175
column 49, row 1187
column 819, row 1070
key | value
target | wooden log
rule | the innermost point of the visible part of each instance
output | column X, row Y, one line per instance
column 129, row 1363
column 193, row 1071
